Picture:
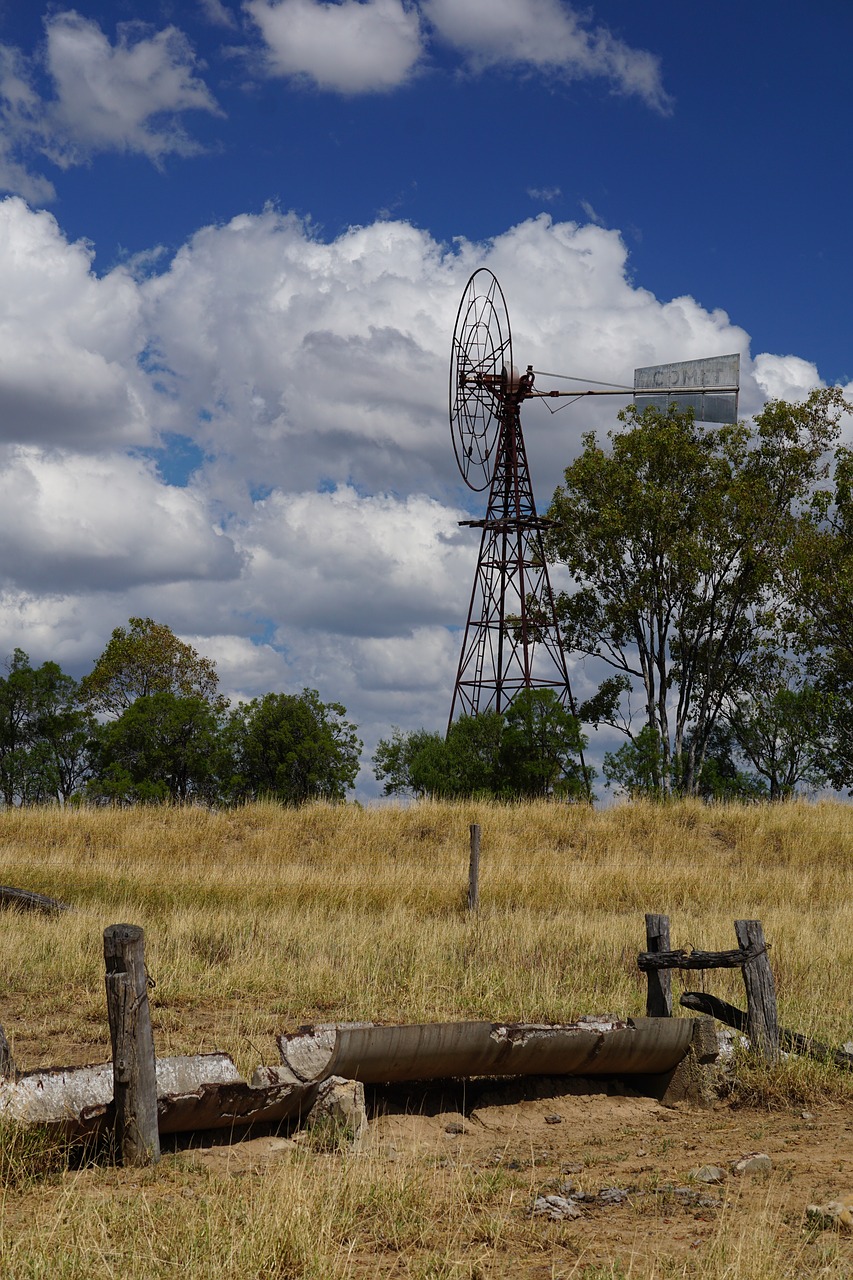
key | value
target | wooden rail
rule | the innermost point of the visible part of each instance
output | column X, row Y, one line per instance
column 750, row 957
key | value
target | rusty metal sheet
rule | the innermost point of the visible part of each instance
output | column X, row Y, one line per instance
column 377, row 1055
column 709, row 386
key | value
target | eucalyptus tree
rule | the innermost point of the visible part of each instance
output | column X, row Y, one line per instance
column 146, row 658
column 292, row 748
column 677, row 536
column 45, row 734
column 821, row 586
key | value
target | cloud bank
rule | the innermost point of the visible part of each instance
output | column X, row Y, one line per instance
column 316, row 542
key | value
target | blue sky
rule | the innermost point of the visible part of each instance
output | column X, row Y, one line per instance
column 231, row 246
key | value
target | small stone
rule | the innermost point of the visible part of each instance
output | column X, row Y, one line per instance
column 757, row 1162
column 709, row 1173
column 612, row 1195
column 554, row 1119
column 807, row 1115
column 342, row 1103
column 555, row 1207
column 834, row 1214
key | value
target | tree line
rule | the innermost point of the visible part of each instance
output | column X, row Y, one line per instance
column 147, row 724
column 712, row 571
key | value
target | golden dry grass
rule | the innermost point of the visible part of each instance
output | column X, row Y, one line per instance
column 260, row 919
column 335, row 912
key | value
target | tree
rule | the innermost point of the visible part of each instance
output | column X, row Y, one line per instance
column 293, row 748
column 44, row 734
column 530, row 750
column 637, row 767
column 821, row 620
column 541, row 748
column 677, row 535
column 724, row 776
column 143, row 659
column 465, row 763
column 780, row 723
column 411, row 763
column 162, row 747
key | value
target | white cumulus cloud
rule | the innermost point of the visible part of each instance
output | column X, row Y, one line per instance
column 72, row 521
column 126, row 96
column 546, row 35
column 356, row 46
column 69, row 340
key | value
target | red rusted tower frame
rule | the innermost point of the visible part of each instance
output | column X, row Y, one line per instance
column 512, row 640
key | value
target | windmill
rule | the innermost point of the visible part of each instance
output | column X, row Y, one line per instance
column 512, row 638
column 504, row 650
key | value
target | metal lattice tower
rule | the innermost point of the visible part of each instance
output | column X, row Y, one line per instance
column 512, row 641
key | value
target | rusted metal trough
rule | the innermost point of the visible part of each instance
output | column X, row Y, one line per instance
column 589, row 1047
column 207, row 1091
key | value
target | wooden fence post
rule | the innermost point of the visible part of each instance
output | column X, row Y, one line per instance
column 659, row 992
column 474, row 869
column 762, row 1020
column 7, row 1062
column 134, row 1064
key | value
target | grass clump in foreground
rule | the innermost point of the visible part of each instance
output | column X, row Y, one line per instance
column 30, row 1154
column 260, row 919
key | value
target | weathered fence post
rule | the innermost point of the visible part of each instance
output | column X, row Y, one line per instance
column 474, row 869
column 659, row 993
column 7, row 1062
column 762, row 1020
column 134, row 1064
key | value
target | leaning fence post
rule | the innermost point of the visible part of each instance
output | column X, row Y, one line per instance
column 474, row 868
column 659, row 991
column 134, row 1064
column 762, row 1020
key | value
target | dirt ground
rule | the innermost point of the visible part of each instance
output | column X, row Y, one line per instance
column 627, row 1162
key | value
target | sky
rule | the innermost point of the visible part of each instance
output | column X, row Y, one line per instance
column 233, row 239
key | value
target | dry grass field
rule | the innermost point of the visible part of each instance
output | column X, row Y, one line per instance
column 261, row 919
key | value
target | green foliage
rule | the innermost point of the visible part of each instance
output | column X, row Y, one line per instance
column 723, row 778
column 292, row 748
column 821, row 618
column 637, row 767
column 143, row 659
column 678, row 537
column 167, row 737
column 541, row 748
column 531, row 750
column 780, row 723
column 162, row 747
column 44, row 734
